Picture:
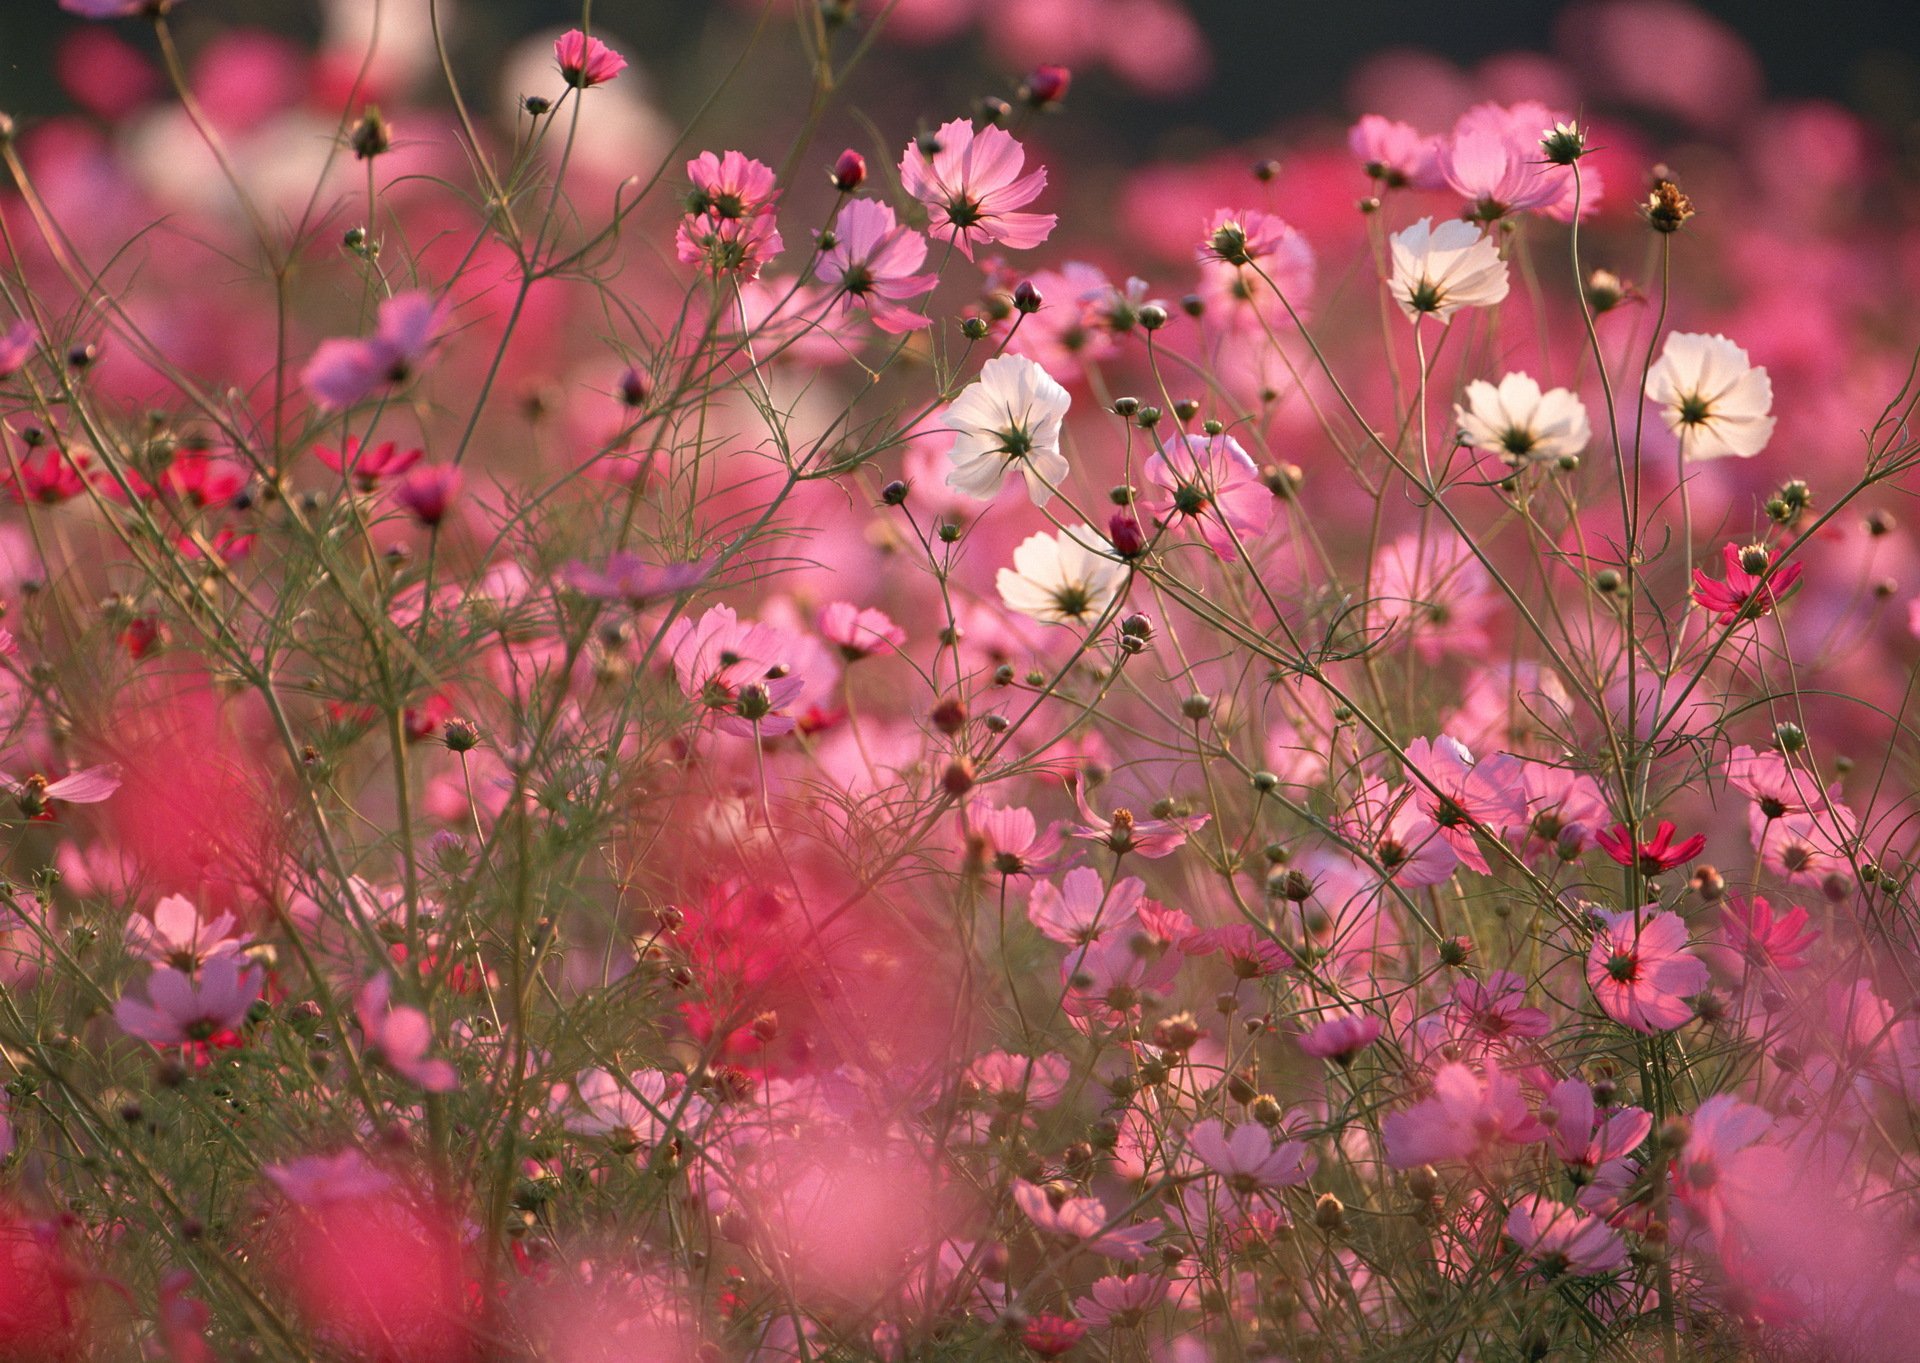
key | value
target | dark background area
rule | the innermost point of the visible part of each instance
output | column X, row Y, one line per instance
column 1273, row 58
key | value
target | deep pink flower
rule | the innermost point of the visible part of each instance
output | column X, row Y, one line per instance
column 368, row 466
column 1743, row 596
column 849, row 171
column 104, row 9
column 1764, row 940
column 1641, row 973
column 401, row 1036
column 182, row 1009
column 971, row 184
column 586, row 61
column 1655, row 855
column 343, row 371
column 731, row 185
column 872, row 263
column 1050, row 1336
column 428, row 492
column 48, row 478
column 1214, row 483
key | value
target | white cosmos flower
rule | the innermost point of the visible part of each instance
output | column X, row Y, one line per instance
column 1712, row 397
column 1518, row 422
column 1439, row 269
column 1009, row 418
column 1063, row 579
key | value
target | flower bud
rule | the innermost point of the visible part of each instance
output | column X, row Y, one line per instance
column 460, row 735
column 1666, row 208
column 1152, row 316
column 1266, row 1110
column 1046, row 86
column 1330, row 1213
column 848, row 172
column 1027, row 298
column 975, row 328
column 1128, row 539
column 371, row 136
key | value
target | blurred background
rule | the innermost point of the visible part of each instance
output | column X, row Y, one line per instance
column 1171, row 73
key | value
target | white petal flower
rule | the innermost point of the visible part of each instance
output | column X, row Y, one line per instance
column 1009, row 418
column 1439, row 269
column 1062, row 579
column 1712, row 397
column 1518, row 422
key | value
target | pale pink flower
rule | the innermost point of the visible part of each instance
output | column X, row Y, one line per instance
column 860, row 633
column 1396, row 154
column 971, row 184
column 401, row 1036
column 635, row 1113
column 1431, row 590
column 1494, row 160
column 1116, row 1303
column 1341, row 1037
column 1496, row 1009
column 1248, row 238
column 36, row 795
column 731, row 185
column 1021, row 1080
column 1407, row 845
column 1721, row 1173
column 1011, row 841
column 750, row 675
column 1812, row 848
column 629, row 579
column 176, row 935
column 1775, row 785
column 872, row 263
column 1466, row 1117
column 1083, row 909
column 1585, row 1140
column 17, row 346
column 182, row 1009
column 1214, row 483
column 1565, row 809
column 1461, row 793
column 1083, row 1220
column 1110, row 981
column 343, row 371
column 317, row 1180
column 1249, row 1158
column 1641, row 973
column 1563, row 1240
column 1123, row 833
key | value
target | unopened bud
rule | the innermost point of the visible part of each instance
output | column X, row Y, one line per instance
column 848, row 172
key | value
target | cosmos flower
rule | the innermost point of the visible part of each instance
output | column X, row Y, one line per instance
column 176, row 935
column 585, row 61
column 1641, row 972
column 1212, row 483
column 1712, row 397
column 1439, row 270
column 1008, row 419
column 1519, row 423
column 343, row 371
column 1743, row 595
column 182, row 1009
column 1249, row 1158
column 1563, row 1240
column 971, row 184
column 400, row 1036
column 872, row 263
column 1062, row 579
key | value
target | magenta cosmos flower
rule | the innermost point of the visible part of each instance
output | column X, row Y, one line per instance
column 1213, row 483
column 872, row 262
column 729, row 228
column 1642, row 974
column 344, row 370
column 1341, row 1038
column 586, row 61
column 1659, row 853
column 971, row 184
column 1744, row 596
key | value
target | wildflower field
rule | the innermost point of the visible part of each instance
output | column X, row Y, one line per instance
column 746, row 694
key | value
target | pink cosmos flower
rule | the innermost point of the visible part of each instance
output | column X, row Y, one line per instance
column 1396, row 154
column 343, row 371
column 401, row 1036
column 1083, row 909
column 728, row 247
column 1342, row 1037
column 1248, row 1158
column 428, row 492
column 318, row 1180
column 730, row 186
column 1743, row 596
column 1585, row 1140
column 1116, row 1303
column 1495, row 1011
column 1461, row 791
column 1214, row 483
column 17, row 347
column 1408, row 846
column 1656, row 854
column 186, row 1010
column 744, row 673
column 1467, row 1116
column 872, row 263
column 636, row 1113
column 1246, row 238
column 1083, row 1219
column 1721, row 1174
column 1642, row 974
column 1123, row 833
column 1764, row 940
column 1775, row 786
column 1563, row 1240
column 175, row 935
column 1813, row 848
column 1110, row 981
column 1021, row 1080
column 1566, row 807
column 586, row 61
column 860, row 633
column 1494, row 160
column 971, row 184
column 1251, row 952
column 1431, row 590
column 36, row 795
column 368, row 466
column 629, row 579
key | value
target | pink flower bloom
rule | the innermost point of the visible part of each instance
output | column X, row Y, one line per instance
column 1109, row 981
column 1583, row 1139
column 860, row 633
column 731, row 186
column 1408, row 846
column 1566, row 809
column 36, row 794
column 1341, row 1038
column 176, row 936
column 636, row 1113
column 1721, row 1174
column 343, row 371
column 1249, row 1159
column 629, row 579
column 1083, row 1219
column 1563, row 1240
column 1116, row 1303
column 428, row 492
column 1489, row 793
column 1247, row 237
column 1810, row 848
column 1010, row 840
column 401, row 1036
column 1396, row 154
column 368, row 466
column 745, row 674
column 183, row 1010
column 17, row 347
column 872, row 263
column 1494, row 159
column 1430, row 589
column 317, row 1180
column 1774, row 785
column 1763, row 940
column 1641, row 974
column 728, row 247
column 1743, row 596
column 1021, row 1080
column 1251, row 952
column 1496, row 1010
column 1656, row 854
column 1123, row 833
column 1083, row 909
column 971, row 184
column 1214, row 483
column 586, row 61
column 1466, row 1117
